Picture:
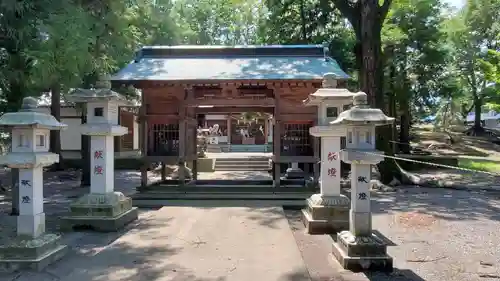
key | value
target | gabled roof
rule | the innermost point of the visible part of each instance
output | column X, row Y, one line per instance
column 278, row 62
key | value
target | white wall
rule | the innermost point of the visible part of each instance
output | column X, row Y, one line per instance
column 71, row 138
column 215, row 117
column 136, row 135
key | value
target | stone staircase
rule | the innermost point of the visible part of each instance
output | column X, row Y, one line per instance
column 214, row 148
column 249, row 148
column 217, row 148
column 242, row 164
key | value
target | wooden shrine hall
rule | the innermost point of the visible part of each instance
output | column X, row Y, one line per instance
column 180, row 83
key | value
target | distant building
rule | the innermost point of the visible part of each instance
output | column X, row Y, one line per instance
column 71, row 144
column 489, row 119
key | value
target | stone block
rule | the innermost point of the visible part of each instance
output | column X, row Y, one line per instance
column 100, row 223
column 295, row 173
column 326, row 219
column 361, row 253
column 31, row 253
column 31, row 225
column 101, row 205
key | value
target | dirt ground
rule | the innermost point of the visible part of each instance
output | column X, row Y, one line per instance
column 425, row 138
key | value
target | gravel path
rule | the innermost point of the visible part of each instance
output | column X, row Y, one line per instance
column 438, row 234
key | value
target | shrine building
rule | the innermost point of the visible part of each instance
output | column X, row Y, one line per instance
column 185, row 88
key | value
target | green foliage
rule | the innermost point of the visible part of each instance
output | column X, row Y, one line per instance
column 62, row 54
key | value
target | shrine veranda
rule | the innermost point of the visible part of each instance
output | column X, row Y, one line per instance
column 181, row 83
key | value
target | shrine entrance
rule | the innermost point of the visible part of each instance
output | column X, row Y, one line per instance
column 236, row 129
column 245, row 104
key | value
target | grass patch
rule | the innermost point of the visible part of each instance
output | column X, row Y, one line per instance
column 487, row 166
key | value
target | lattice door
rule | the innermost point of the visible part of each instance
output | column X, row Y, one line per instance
column 164, row 140
column 296, row 140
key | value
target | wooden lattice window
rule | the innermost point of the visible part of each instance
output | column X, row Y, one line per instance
column 164, row 140
column 296, row 140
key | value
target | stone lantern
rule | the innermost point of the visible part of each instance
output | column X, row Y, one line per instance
column 32, row 247
column 103, row 209
column 359, row 248
column 328, row 211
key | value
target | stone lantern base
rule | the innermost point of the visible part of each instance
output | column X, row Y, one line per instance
column 100, row 212
column 31, row 253
column 361, row 253
column 326, row 214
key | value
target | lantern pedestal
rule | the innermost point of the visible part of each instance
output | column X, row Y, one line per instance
column 361, row 253
column 25, row 252
column 29, row 247
column 359, row 249
column 100, row 212
column 326, row 214
column 295, row 172
column 103, row 209
column 328, row 211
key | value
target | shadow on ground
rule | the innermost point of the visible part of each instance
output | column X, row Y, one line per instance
column 450, row 205
column 316, row 253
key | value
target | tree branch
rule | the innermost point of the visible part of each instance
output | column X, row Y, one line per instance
column 347, row 11
column 384, row 9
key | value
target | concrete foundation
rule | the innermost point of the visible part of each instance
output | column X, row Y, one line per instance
column 361, row 253
column 100, row 212
column 326, row 214
column 31, row 253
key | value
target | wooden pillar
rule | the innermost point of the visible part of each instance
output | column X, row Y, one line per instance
column 266, row 131
column 277, row 141
column 163, row 172
column 316, row 151
column 195, row 151
column 182, row 138
column 229, row 130
column 143, row 142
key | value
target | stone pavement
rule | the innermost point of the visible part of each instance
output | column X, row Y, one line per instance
column 185, row 243
column 240, row 175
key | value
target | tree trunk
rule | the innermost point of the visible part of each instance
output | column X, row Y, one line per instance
column 478, row 103
column 85, row 156
column 55, row 135
column 393, row 98
column 371, row 78
column 14, row 100
column 404, row 129
column 303, row 22
column 14, row 175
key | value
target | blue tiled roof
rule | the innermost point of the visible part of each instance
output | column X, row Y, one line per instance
column 229, row 63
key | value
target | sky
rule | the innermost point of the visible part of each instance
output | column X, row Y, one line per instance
column 456, row 3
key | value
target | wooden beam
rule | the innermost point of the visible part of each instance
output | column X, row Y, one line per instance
column 237, row 102
column 296, row 159
column 233, row 109
column 297, row 117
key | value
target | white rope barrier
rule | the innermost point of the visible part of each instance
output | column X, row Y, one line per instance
column 429, row 163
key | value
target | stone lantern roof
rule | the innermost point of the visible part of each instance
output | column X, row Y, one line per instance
column 362, row 114
column 328, row 92
column 102, row 92
column 29, row 117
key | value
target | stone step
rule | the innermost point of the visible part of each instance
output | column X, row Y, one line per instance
column 158, row 203
column 246, row 160
column 252, row 164
column 255, row 169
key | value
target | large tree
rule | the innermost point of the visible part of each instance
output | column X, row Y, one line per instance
column 366, row 18
column 472, row 32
